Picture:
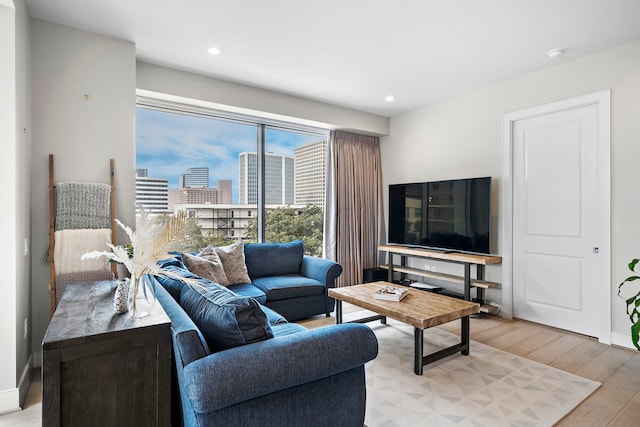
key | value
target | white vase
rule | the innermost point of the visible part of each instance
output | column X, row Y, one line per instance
column 121, row 296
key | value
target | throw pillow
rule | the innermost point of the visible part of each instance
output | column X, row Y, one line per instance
column 232, row 258
column 225, row 318
column 172, row 284
column 210, row 267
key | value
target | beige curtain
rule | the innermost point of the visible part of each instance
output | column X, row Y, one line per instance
column 354, row 218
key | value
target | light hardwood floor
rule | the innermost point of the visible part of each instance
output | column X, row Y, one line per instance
column 616, row 403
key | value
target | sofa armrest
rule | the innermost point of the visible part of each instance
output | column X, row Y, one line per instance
column 242, row 373
column 323, row 270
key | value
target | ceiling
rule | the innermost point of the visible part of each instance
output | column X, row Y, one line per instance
column 353, row 53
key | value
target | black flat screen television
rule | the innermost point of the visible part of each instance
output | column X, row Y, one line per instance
column 453, row 215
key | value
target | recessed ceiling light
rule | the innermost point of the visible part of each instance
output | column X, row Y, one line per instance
column 214, row 51
column 554, row 53
column 389, row 98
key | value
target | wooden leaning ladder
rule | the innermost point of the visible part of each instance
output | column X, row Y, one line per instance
column 52, row 223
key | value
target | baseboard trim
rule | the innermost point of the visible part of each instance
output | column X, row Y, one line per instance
column 622, row 340
column 9, row 400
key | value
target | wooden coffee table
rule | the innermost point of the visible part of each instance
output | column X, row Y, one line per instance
column 419, row 309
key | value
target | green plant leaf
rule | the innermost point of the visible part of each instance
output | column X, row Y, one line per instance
column 633, row 298
column 628, row 279
column 633, row 305
column 635, row 334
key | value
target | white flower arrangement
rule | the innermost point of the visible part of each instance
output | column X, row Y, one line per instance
column 151, row 242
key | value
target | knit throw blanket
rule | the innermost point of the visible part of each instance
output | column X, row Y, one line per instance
column 72, row 244
column 82, row 205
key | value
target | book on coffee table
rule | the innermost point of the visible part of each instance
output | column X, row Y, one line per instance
column 390, row 293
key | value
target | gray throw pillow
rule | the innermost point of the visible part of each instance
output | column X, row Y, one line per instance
column 232, row 258
column 209, row 267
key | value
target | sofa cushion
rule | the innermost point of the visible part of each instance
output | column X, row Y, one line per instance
column 288, row 286
column 210, row 267
column 282, row 329
column 249, row 290
column 233, row 260
column 225, row 319
column 273, row 259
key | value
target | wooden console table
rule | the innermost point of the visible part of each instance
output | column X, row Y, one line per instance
column 467, row 260
column 102, row 368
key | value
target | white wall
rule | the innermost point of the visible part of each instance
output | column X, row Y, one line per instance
column 8, row 221
column 82, row 134
column 462, row 137
column 251, row 100
column 14, row 220
column 23, row 198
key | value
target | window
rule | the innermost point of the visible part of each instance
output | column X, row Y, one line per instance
column 217, row 167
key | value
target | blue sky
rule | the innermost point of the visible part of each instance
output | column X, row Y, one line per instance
column 167, row 144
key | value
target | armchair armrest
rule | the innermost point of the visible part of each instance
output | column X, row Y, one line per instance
column 242, row 373
column 323, row 270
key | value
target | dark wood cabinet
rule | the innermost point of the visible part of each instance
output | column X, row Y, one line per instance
column 102, row 368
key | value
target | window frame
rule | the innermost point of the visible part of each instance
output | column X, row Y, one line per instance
column 262, row 123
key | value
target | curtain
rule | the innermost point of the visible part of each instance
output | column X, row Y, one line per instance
column 354, row 216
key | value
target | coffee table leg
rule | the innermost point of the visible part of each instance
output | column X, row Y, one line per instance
column 465, row 335
column 418, row 338
column 338, row 311
column 420, row 360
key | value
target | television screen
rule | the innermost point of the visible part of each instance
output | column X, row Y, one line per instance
column 450, row 215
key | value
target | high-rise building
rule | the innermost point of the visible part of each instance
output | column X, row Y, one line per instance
column 142, row 173
column 152, row 194
column 279, row 179
column 248, row 178
column 310, row 173
column 225, row 191
column 205, row 196
column 193, row 196
column 194, row 178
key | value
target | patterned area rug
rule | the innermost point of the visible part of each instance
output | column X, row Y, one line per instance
column 489, row 387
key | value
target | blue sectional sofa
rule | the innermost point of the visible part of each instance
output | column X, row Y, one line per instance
column 284, row 279
column 239, row 362
column 270, row 373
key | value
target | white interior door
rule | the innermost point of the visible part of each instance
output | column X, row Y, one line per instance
column 559, row 261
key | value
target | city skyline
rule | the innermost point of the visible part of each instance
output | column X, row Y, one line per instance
column 168, row 144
